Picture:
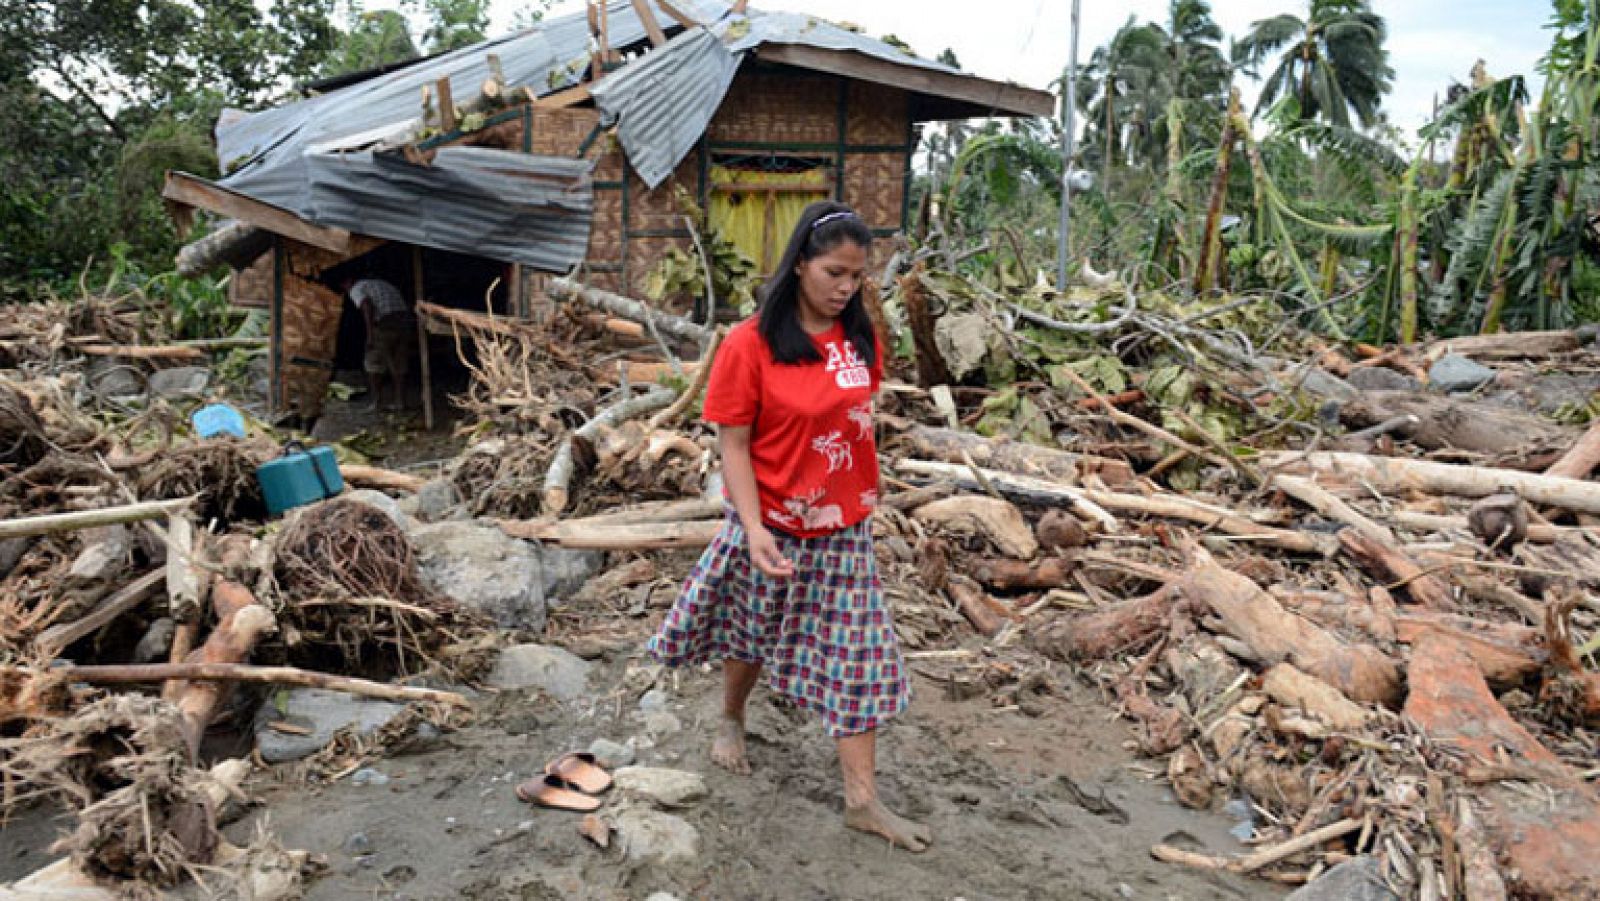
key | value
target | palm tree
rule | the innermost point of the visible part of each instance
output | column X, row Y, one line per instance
column 1333, row 62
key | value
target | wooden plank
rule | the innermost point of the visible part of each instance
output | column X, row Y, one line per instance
column 651, row 27
column 561, row 99
column 190, row 190
column 56, row 638
column 998, row 96
column 677, row 14
column 422, row 340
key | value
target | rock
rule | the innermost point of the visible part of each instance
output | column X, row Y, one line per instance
column 551, row 670
column 654, row 701
column 610, row 754
column 661, row 786
column 1059, row 530
column 1354, row 880
column 105, row 554
column 389, row 506
column 661, row 724
column 369, row 776
column 435, row 500
column 1455, row 373
column 650, row 836
column 566, row 571
column 180, row 383
column 323, row 713
column 1381, row 378
column 1327, row 385
column 157, row 641
column 109, row 377
column 358, row 845
column 486, row 569
column 11, row 551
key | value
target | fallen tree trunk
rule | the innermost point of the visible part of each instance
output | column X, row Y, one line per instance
column 1312, row 495
column 931, row 367
column 1581, row 459
column 559, row 476
column 1399, row 474
column 578, row 535
column 85, row 519
column 676, row 326
column 997, row 520
column 1109, row 631
column 1254, row 617
column 976, row 606
column 1538, row 533
column 1452, row 703
column 1388, row 563
column 1012, row 575
column 1504, row 654
column 1167, row 505
column 954, row 446
column 1446, row 423
column 1507, row 345
column 382, row 479
column 241, row 623
column 144, row 352
column 271, row 675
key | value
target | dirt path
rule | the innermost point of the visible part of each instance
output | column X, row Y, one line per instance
column 993, row 785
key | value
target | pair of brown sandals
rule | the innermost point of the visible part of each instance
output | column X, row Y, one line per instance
column 570, row 782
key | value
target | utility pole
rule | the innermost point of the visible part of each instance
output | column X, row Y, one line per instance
column 1069, row 113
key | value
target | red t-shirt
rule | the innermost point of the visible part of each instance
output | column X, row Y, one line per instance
column 811, row 437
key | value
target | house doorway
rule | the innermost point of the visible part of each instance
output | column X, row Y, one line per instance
column 756, row 200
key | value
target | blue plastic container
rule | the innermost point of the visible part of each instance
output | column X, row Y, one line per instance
column 218, row 419
column 299, row 477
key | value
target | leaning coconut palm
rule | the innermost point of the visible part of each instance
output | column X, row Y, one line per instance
column 1333, row 62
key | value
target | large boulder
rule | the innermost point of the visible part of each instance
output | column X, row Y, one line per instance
column 320, row 714
column 486, row 569
column 661, row 787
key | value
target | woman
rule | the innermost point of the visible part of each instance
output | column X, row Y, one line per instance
column 790, row 583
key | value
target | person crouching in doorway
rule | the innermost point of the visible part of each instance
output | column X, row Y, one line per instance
column 391, row 339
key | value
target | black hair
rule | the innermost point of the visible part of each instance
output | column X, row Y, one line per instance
column 822, row 227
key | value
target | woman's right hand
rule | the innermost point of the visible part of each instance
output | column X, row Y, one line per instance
column 765, row 555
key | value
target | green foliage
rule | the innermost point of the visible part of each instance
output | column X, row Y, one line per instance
column 1333, row 61
column 681, row 273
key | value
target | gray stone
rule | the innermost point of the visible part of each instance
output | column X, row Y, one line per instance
column 109, row 377
column 559, row 674
column 11, row 553
column 610, row 754
column 661, row 786
column 566, row 571
column 1381, row 378
column 650, row 836
column 1354, row 880
column 661, row 724
column 1328, row 385
column 157, row 641
column 435, row 500
column 486, row 569
column 369, row 776
column 1455, row 373
column 654, row 701
column 662, row 896
column 358, row 844
column 322, row 713
column 389, row 506
column 182, row 382
column 105, row 554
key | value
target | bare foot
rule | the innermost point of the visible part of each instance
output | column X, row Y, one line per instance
column 875, row 819
column 728, row 750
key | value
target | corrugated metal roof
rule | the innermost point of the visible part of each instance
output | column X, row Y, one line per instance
column 326, row 158
column 663, row 102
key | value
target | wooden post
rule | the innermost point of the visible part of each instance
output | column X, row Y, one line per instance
column 651, row 26
column 422, row 339
column 598, row 57
column 447, row 106
column 514, row 298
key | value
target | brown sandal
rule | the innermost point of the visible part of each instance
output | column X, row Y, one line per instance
column 553, row 791
column 581, row 769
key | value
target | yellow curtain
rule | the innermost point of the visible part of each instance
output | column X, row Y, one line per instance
column 758, row 222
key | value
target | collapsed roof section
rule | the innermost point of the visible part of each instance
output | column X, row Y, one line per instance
column 338, row 160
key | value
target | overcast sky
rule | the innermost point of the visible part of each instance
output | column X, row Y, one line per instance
column 1431, row 42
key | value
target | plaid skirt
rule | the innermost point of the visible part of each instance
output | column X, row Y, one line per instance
column 823, row 635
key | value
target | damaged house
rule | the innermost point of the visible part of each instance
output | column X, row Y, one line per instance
column 480, row 173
